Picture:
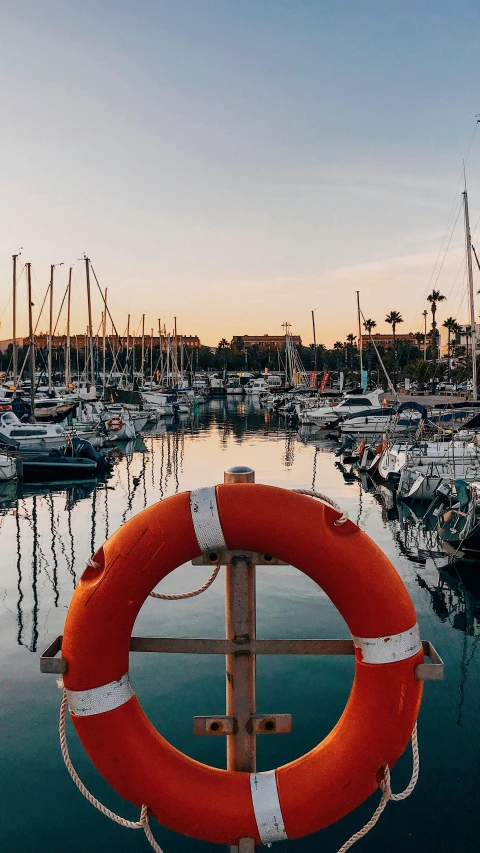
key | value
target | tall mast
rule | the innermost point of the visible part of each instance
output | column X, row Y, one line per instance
column 151, row 357
column 104, row 331
column 68, row 369
column 50, row 330
column 14, row 328
column 90, row 327
column 360, row 339
column 181, row 358
column 160, row 358
column 175, row 351
column 314, row 344
column 128, row 344
column 143, row 346
column 31, row 345
column 473, row 327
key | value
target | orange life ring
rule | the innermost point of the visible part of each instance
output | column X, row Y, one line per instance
column 185, row 795
column 115, row 424
column 116, row 455
column 361, row 448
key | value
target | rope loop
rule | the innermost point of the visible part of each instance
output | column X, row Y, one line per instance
column 325, row 499
column 128, row 824
column 387, row 794
column 181, row 595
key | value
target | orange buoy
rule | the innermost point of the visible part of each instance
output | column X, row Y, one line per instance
column 207, row 803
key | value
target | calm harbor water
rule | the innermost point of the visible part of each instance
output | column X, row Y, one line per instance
column 47, row 535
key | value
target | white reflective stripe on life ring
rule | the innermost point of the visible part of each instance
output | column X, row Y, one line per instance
column 98, row 700
column 266, row 806
column 206, row 521
column 391, row 648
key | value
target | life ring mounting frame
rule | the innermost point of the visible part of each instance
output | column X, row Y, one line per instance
column 241, row 722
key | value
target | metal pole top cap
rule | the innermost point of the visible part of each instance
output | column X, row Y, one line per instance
column 239, row 474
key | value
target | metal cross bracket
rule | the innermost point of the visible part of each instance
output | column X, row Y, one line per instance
column 241, row 724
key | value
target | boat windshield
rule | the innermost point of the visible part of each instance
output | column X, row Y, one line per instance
column 357, row 401
column 9, row 418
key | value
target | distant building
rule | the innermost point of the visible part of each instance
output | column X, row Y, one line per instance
column 386, row 340
column 262, row 341
column 41, row 340
column 4, row 345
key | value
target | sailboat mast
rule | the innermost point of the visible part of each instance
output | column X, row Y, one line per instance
column 151, row 356
column 90, row 327
column 175, row 351
column 104, row 332
column 360, row 338
column 314, row 346
column 14, row 324
column 68, row 370
column 32, row 345
column 143, row 348
column 50, row 330
column 473, row 327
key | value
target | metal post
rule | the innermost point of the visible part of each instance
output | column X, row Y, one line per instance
column 240, row 625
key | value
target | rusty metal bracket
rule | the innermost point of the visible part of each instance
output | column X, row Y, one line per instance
column 258, row 724
column 227, row 558
column 431, row 670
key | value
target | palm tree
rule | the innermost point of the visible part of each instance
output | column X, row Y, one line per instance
column 368, row 325
column 351, row 338
column 434, row 298
column 452, row 327
column 338, row 347
column 393, row 319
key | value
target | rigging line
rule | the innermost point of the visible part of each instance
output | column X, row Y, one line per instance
column 448, row 245
column 103, row 300
column 41, row 309
column 61, row 306
column 451, row 209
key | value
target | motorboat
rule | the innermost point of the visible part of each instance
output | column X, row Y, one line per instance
column 330, row 415
column 257, row 387
column 234, row 387
column 368, row 422
column 162, row 402
column 420, row 482
column 20, row 436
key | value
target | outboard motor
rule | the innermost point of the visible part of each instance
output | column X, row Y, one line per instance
column 82, row 449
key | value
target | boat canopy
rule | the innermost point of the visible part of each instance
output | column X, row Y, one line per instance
column 417, row 407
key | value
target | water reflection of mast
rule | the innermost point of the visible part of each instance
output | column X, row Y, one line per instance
column 106, row 512
column 175, row 461
column 94, row 520
column 19, row 583
column 54, row 553
column 314, row 473
column 162, row 459
column 33, row 644
column 71, row 562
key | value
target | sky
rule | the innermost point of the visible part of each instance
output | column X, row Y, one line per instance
column 239, row 163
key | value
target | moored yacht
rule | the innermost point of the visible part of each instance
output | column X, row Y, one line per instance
column 29, row 436
column 331, row 414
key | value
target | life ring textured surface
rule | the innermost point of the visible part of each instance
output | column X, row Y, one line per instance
column 204, row 802
column 115, row 424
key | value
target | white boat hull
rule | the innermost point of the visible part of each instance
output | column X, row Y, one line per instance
column 8, row 468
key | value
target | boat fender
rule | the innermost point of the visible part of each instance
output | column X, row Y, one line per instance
column 203, row 802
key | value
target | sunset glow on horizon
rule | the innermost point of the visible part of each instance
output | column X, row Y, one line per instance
column 238, row 165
